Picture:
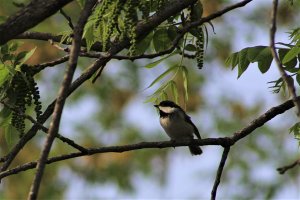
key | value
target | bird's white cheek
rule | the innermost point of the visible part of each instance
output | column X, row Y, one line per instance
column 167, row 109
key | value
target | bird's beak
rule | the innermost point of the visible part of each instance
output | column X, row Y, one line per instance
column 156, row 106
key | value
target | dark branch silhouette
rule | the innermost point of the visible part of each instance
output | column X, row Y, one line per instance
column 223, row 141
column 61, row 98
column 283, row 169
column 219, row 173
column 29, row 16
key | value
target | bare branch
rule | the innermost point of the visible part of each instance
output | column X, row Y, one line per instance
column 68, row 18
column 219, row 173
column 29, row 16
column 62, row 95
column 287, row 78
column 226, row 142
column 39, row 67
column 282, row 170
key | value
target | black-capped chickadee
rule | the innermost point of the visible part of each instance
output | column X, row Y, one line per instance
column 177, row 124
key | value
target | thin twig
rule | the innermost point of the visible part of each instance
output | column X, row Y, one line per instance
column 62, row 95
column 282, row 170
column 224, row 141
column 68, row 18
column 219, row 173
column 287, row 78
column 39, row 67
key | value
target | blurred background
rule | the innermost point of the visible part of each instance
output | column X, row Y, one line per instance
column 113, row 112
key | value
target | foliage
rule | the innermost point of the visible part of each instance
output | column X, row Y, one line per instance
column 18, row 87
column 289, row 58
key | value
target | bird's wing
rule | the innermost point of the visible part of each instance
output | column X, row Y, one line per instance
column 188, row 119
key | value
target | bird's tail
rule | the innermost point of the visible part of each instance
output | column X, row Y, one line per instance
column 195, row 150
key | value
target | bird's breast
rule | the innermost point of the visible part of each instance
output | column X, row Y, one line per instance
column 177, row 129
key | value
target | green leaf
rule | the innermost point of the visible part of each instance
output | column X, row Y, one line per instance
column 13, row 46
column 155, row 63
column 174, row 90
column 162, row 75
column 28, row 55
column 23, row 56
column 232, row 60
column 289, row 66
column 197, row 11
column 185, row 81
column 8, row 134
column 143, row 45
column 243, row 62
column 298, row 79
column 5, row 116
column 295, row 129
column 81, row 3
column 4, row 49
column 172, row 33
column 291, row 54
column 190, row 47
column 161, row 40
column 264, row 59
column 20, row 56
column 4, row 74
column 253, row 52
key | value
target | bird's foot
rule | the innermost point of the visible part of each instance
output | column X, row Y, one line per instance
column 173, row 142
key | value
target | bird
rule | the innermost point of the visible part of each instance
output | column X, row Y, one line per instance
column 177, row 124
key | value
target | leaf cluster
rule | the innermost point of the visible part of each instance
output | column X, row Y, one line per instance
column 289, row 56
column 18, row 88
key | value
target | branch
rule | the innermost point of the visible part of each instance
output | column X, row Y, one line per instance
column 29, row 16
column 39, row 67
column 282, row 170
column 62, row 95
column 219, row 173
column 68, row 18
column 287, row 78
column 143, row 28
column 118, row 149
column 226, row 142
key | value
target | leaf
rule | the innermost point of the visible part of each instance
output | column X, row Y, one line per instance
column 8, row 134
column 13, row 46
column 81, row 3
column 264, row 59
column 185, row 81
column 298, row 79
column 4, row 74
column 232, row 60
column 243, row 62
column 162, row 75
column 4, row 49
column 253, row 52
column 161, row 40
column 143, row 45
column 24, row 56
column 155, row 63
column 289, row 66
column 291, row 54
column 197, row 11
column 295, row 129
column 5, row 116
column 190, row 47
column 174, row 90
column 172, row 33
